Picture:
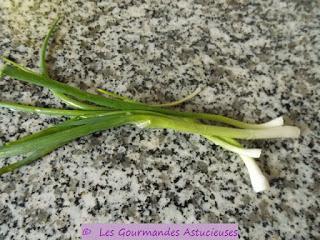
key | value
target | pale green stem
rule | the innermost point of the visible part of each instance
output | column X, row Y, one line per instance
column 255, row 152
column 258, row 180
column 185, row 126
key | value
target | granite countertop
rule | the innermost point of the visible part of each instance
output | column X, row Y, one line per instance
column 255, row 61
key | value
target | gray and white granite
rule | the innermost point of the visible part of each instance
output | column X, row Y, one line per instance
column 255, row 60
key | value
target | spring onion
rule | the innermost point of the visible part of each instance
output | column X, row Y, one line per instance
column 90, row 113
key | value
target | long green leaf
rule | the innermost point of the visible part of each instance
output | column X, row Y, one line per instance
column 49, row 111
column 42, row 61
column 119, row 104
column 29, row 159
column 61, row 134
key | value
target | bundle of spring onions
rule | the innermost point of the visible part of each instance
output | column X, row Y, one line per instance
column 90, row 113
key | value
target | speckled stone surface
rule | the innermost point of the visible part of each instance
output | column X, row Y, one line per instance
column 255, row 61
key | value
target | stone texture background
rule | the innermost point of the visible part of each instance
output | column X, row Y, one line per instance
column 255, row 61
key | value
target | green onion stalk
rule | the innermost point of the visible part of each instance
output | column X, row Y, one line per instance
column 89, row 113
